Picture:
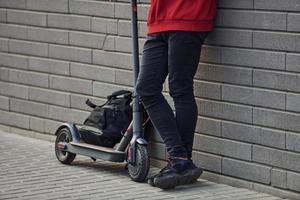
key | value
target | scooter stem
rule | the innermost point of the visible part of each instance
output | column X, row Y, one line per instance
column 137, row 110
column 135, row 44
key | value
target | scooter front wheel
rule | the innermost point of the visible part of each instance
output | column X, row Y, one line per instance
column 139, row 171
column 63, row 156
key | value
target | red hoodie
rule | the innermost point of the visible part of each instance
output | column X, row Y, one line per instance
column 187, row 15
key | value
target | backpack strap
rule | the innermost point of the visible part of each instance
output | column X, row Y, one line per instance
column 127, row 94
column 92, row 105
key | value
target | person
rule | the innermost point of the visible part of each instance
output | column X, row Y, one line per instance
column 176, row 32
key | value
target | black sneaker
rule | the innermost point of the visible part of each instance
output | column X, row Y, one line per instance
column 177, row 172
column 151, row 179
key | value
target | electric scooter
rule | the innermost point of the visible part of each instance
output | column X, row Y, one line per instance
column 133, row 146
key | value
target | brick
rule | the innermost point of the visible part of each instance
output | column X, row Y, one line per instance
column 278, row 158
column 208, row 126
column 37, row 124
column 92, row 72
column 230, row 37
column 208, row 161
column 123, row 11
column 70, row 53
column 227, row 74
column 27, row 107
column 4, row 74
column 49, row 96
column 210, row 54
column 143, row 30
column 124, row 28
column 29, row 78
column 278, row 178
column 91, row 40
column 207, row 89
column 253, row 58
column 67, row 115
column 225, row 110
column 252, row 19
column 270, row 118
column 51, row 126
column 13, row 90
column 102, row 25
column 293, row 22
column 71, row 84
column 13, row 3
column 157, row 150
column 112, row 59
column 3, row 44
column 246, row 170
column 253, row 134
column 12, row 60
column 94, row 8
column 78, row 101
column 124, row 44
column 292, row 121
column 276, row 41
column 124, row 77
column 49, row 66
column 222, row 147
column 253, row 96
column 13, row 31
column 293, row 141
column 69, row 21
column 109, row 43
column 226, row 180
column 3, row 15
column 292, row 102
column 4, row 103
column 292, row 62
column 288, row 5
column 14, row 119
column 48, row 35
column 276, row 80
column 28, row 48
column 293, row 181
column 26, row 17
column 235, row 3
column 48, row 5
column 276, row 119
column 104, row 89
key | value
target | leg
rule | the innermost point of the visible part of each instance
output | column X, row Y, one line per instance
column 153, row 72
column 184, row 55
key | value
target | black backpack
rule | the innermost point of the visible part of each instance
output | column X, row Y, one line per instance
column 106, row 122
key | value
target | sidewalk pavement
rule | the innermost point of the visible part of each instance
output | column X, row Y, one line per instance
column 30, row 170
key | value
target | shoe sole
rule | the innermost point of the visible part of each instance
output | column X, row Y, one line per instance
column 169, row 182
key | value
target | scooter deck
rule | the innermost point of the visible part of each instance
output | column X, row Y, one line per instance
column 95, row 151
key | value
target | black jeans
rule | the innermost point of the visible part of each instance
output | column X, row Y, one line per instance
column 176, row 53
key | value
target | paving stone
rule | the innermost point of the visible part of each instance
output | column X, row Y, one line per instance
column 35, row 175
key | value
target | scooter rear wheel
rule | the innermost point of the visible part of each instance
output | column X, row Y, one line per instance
column 64, row 157
column 139, row 171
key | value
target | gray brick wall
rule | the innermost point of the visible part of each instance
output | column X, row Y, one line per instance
column 56, row 53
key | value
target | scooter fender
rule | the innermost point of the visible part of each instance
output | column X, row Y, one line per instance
column 73, row 130
column 132, row 149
